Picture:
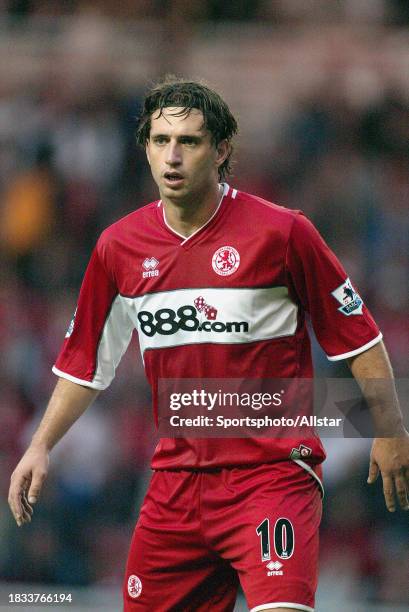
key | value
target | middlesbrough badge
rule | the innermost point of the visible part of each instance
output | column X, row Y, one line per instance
column 225, row 261
column 134, row 586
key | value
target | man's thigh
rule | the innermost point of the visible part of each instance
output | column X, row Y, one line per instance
column 170, row 567
column 269, row 534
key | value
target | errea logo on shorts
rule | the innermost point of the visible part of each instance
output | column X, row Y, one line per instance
column 134, row 586
column 274, row 568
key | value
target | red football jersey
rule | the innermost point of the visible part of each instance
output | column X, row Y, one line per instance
column 248, row 275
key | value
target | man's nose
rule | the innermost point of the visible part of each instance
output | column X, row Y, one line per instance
column 174, row 154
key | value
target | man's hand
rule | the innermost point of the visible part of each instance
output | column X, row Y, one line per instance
column 68, row 401
column 26, row 482
column 390, row 457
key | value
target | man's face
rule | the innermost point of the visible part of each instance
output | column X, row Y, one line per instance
column 182, row 158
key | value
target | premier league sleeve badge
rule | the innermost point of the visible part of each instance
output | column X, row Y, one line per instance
column 351, row 302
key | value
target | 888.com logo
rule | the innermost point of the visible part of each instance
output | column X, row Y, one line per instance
column 167, row 321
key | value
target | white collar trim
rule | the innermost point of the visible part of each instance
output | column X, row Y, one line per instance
column 185, row 239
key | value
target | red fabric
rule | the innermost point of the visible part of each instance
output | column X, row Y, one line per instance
column 78, row 356
column 197, row 533
column 278, row 248
column 314, row 272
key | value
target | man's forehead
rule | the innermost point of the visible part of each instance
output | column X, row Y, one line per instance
column 178, row 117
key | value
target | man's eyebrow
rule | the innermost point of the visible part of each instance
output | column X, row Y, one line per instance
column 192, row 136
column 196, row 136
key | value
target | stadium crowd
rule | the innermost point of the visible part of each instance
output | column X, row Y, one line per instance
column 69, row 166
column 394, row 12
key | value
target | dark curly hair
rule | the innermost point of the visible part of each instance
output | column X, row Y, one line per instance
column 174, row 91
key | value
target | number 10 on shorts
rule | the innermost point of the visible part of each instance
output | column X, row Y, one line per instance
column 283, row 538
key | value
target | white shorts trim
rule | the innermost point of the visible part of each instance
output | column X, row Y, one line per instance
column 361, row 349
column 78, row 381
column 309, row 469
column 282, row 604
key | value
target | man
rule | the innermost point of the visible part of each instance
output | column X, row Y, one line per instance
column 217, row 512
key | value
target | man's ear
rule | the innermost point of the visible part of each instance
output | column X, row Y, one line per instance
column 223, row 150
column 147, row 152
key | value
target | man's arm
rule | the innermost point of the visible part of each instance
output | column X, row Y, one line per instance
column 390, row 453
column 68, row 401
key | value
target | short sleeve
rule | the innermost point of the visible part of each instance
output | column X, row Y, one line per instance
column 99, row 333
column 342, row 323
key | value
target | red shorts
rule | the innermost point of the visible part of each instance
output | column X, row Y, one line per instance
column 201, row 533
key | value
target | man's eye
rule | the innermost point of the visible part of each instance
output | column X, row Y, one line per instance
column 160, row 141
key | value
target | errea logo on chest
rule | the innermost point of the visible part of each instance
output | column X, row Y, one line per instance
column 150, row 267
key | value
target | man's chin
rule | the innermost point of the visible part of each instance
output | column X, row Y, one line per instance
column 175, row 191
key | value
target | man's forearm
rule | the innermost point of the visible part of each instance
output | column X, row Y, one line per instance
column 66, row 405
column 373, row 372
column 68, row 402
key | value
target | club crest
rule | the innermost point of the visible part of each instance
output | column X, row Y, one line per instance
column 226, row 260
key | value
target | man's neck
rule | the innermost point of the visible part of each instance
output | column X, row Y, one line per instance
column 187, row 217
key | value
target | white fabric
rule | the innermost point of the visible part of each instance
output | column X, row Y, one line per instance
column 361, row 349
column 269, row 313
column 282, row 604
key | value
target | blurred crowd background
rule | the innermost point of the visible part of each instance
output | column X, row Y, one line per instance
column 321, row 92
